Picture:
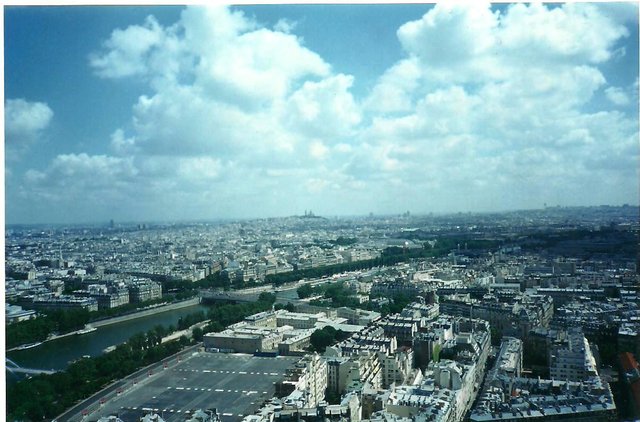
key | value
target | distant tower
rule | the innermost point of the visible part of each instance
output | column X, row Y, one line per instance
column 111, row 223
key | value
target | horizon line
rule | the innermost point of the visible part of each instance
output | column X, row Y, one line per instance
column 407, row 213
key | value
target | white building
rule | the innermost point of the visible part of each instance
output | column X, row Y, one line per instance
column 306, row 383
column 573, row 360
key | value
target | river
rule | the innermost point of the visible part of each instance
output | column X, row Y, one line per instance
column 57, row 354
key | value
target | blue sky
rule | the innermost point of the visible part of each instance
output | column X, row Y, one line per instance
column 172, row 113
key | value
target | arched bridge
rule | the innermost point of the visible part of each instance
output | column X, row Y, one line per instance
column 229, row 296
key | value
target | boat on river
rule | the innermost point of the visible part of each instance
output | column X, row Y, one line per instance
column 28, row 346
column 86, row 330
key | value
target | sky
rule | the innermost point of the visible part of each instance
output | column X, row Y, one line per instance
column 172, row 113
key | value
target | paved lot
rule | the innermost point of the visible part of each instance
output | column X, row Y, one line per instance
column 235, row 384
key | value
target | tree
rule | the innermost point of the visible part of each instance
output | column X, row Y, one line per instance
column 197, row 334
column 267, row 297
column 137, row 341
column 304, row 291
column 328, row 336
column 290, row 307
column 320, row 339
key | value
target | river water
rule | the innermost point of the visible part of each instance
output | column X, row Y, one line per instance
column 57, row 354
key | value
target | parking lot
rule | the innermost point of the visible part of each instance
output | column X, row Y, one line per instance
column 235, row 384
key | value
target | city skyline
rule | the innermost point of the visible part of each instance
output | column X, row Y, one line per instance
column 173, row 113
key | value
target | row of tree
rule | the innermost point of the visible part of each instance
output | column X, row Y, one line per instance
column 339, row 295
column 390, row 256
column 45, row 396
column 38, row 329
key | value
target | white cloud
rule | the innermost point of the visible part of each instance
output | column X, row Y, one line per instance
column 470, row 43
column 317, row 185
column 485, row 110
column 209, row 28
column 393, row 93
column 562, row 33
column 121, row 145
column 450, row 34
column 325, row 109
column 25, row 123
column 617, row 96
column 258, row 66
column 243, row 77
column 199, row 169
column 503, row 114
column 285, row 25
column 83, row 177
column 127, row 51
column 318, row 150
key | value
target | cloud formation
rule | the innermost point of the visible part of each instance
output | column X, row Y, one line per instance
column 487, row 109
column 24, row 124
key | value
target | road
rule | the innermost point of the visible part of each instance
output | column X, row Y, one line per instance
column 234, row 384
column 112, row 391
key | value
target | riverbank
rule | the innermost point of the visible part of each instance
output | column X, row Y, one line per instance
column 118, row 319
column 146, row 312
column 57, row 354
column 50, row 338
